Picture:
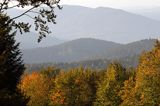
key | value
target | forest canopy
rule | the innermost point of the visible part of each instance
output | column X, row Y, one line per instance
column 114, row 86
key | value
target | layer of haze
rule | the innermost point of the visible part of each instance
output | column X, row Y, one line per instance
column 125, row 4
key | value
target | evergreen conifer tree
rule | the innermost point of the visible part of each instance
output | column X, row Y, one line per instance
column 11, row 66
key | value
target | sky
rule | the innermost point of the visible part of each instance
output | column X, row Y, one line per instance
column 114, row 3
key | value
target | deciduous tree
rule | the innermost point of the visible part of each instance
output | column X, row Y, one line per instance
column 76, row 87
column 108, row 89
column 148, row 78
column 36, row 87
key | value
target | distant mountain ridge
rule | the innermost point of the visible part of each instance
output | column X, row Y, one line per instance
column 105, row 23
column 153, row 12
column 101, row 23
column 86, row 49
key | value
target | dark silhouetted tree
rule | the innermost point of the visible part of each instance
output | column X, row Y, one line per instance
column 11, row 66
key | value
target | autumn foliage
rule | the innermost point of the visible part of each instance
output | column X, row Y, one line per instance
column 37, row 86
column 74, row 87
column 115, row 86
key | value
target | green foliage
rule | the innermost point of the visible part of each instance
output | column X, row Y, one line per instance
column 11, row 66
column 108, row 89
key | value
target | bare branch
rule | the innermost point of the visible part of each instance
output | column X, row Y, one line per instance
column 34, row 12
column 41, row 18
column 22, row 13
column 30, row 16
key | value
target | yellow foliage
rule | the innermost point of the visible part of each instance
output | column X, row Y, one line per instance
column 148, row 77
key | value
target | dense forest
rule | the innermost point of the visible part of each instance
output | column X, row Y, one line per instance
column 129, row 81
column 99, row 64
column 86, row 49
column 114, row 86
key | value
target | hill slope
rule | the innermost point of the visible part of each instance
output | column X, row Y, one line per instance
column 153, row 12
column 85, row 49
column 104, row 23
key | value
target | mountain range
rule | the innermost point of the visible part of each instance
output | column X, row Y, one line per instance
column 104, row 23
column 86, row 49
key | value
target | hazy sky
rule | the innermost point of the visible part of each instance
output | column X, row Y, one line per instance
column 114, row 3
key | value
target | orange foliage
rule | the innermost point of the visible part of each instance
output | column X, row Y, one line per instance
column 27, row 79
column 78, row 81
column 36, row 86
column 58, row 98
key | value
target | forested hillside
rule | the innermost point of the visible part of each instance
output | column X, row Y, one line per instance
column 98, row 64
column 86, row 49
column 115, row 85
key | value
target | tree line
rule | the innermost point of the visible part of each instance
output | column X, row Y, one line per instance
column 114, row 86
column 97, row 64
